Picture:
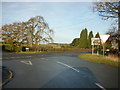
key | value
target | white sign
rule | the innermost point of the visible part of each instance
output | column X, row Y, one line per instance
column 95, row 41
column 27, row 49
column 104, row 37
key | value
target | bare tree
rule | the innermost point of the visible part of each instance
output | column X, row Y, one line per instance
column 110, row 10
column 107, row 9
column 42, row 32
column 33, row 31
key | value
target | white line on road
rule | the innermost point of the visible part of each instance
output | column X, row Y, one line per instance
column 28, row 56
column 42, row 58
column 100, row 86
column 27, row 62
column 68, row 66
column 30, row 62
column 46, row 59
column 17, row 57
column 12, row 57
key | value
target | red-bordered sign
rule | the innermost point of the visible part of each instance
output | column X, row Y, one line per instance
column 95, row 41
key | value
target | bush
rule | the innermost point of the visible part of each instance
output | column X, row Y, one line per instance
column 12, row 48
column 9, row 47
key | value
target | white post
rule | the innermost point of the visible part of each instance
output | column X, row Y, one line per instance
column 97, row 51
column 104, row 38
column 103, row 49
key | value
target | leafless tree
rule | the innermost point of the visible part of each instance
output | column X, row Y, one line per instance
column 33, row 31
column 110, row 9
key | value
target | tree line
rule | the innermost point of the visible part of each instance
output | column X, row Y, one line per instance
column 85, row 40
column 32, row 32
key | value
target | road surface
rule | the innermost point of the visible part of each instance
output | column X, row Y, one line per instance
column 58, row 70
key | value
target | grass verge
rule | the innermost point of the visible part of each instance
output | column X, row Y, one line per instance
column 98, row 59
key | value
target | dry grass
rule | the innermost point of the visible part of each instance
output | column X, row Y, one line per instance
column 100, row 59
column 114, row 58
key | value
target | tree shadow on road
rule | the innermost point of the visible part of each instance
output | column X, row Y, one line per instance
column 72, row 79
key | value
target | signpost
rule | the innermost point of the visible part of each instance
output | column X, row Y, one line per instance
column 104, row 38
column 95, row 41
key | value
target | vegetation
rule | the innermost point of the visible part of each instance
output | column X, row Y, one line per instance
column 106, row 10
column 75, row 42
column 99, row 59
column 83, row 39
column 32, row 32
column 81, row 42
column 89, row 39
column 110, row 10
column 57, row 50
column 97, row 35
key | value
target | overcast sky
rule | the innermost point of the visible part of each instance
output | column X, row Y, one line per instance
column 67, row 19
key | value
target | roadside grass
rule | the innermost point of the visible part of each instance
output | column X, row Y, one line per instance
column 99, row 59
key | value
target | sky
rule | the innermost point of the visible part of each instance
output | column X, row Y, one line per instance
column 67, row 19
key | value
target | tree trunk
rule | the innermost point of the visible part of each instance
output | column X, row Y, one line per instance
column 119, row 29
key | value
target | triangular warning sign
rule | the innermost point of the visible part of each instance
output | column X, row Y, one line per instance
column 104, row 37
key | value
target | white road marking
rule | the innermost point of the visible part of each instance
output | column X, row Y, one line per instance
column 16, row 57
column 19, row 57
column 27, row 62
column 28, row 56
column 12, row 57
column 68, row 66
column 42, row 58
column 100, row 86
column 30, row 62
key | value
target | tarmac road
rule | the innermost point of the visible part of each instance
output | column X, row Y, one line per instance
column 58, row 70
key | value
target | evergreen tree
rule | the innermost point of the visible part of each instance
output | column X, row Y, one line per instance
column 108, row 44
column 97, row 35
column 89, row 39
column 99, row 46
column 75, row 42
column 83, row 38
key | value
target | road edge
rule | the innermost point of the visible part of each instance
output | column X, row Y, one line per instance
column 10, row 76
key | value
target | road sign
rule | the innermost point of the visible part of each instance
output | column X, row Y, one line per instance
column 95, row 41
column 104, row 37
